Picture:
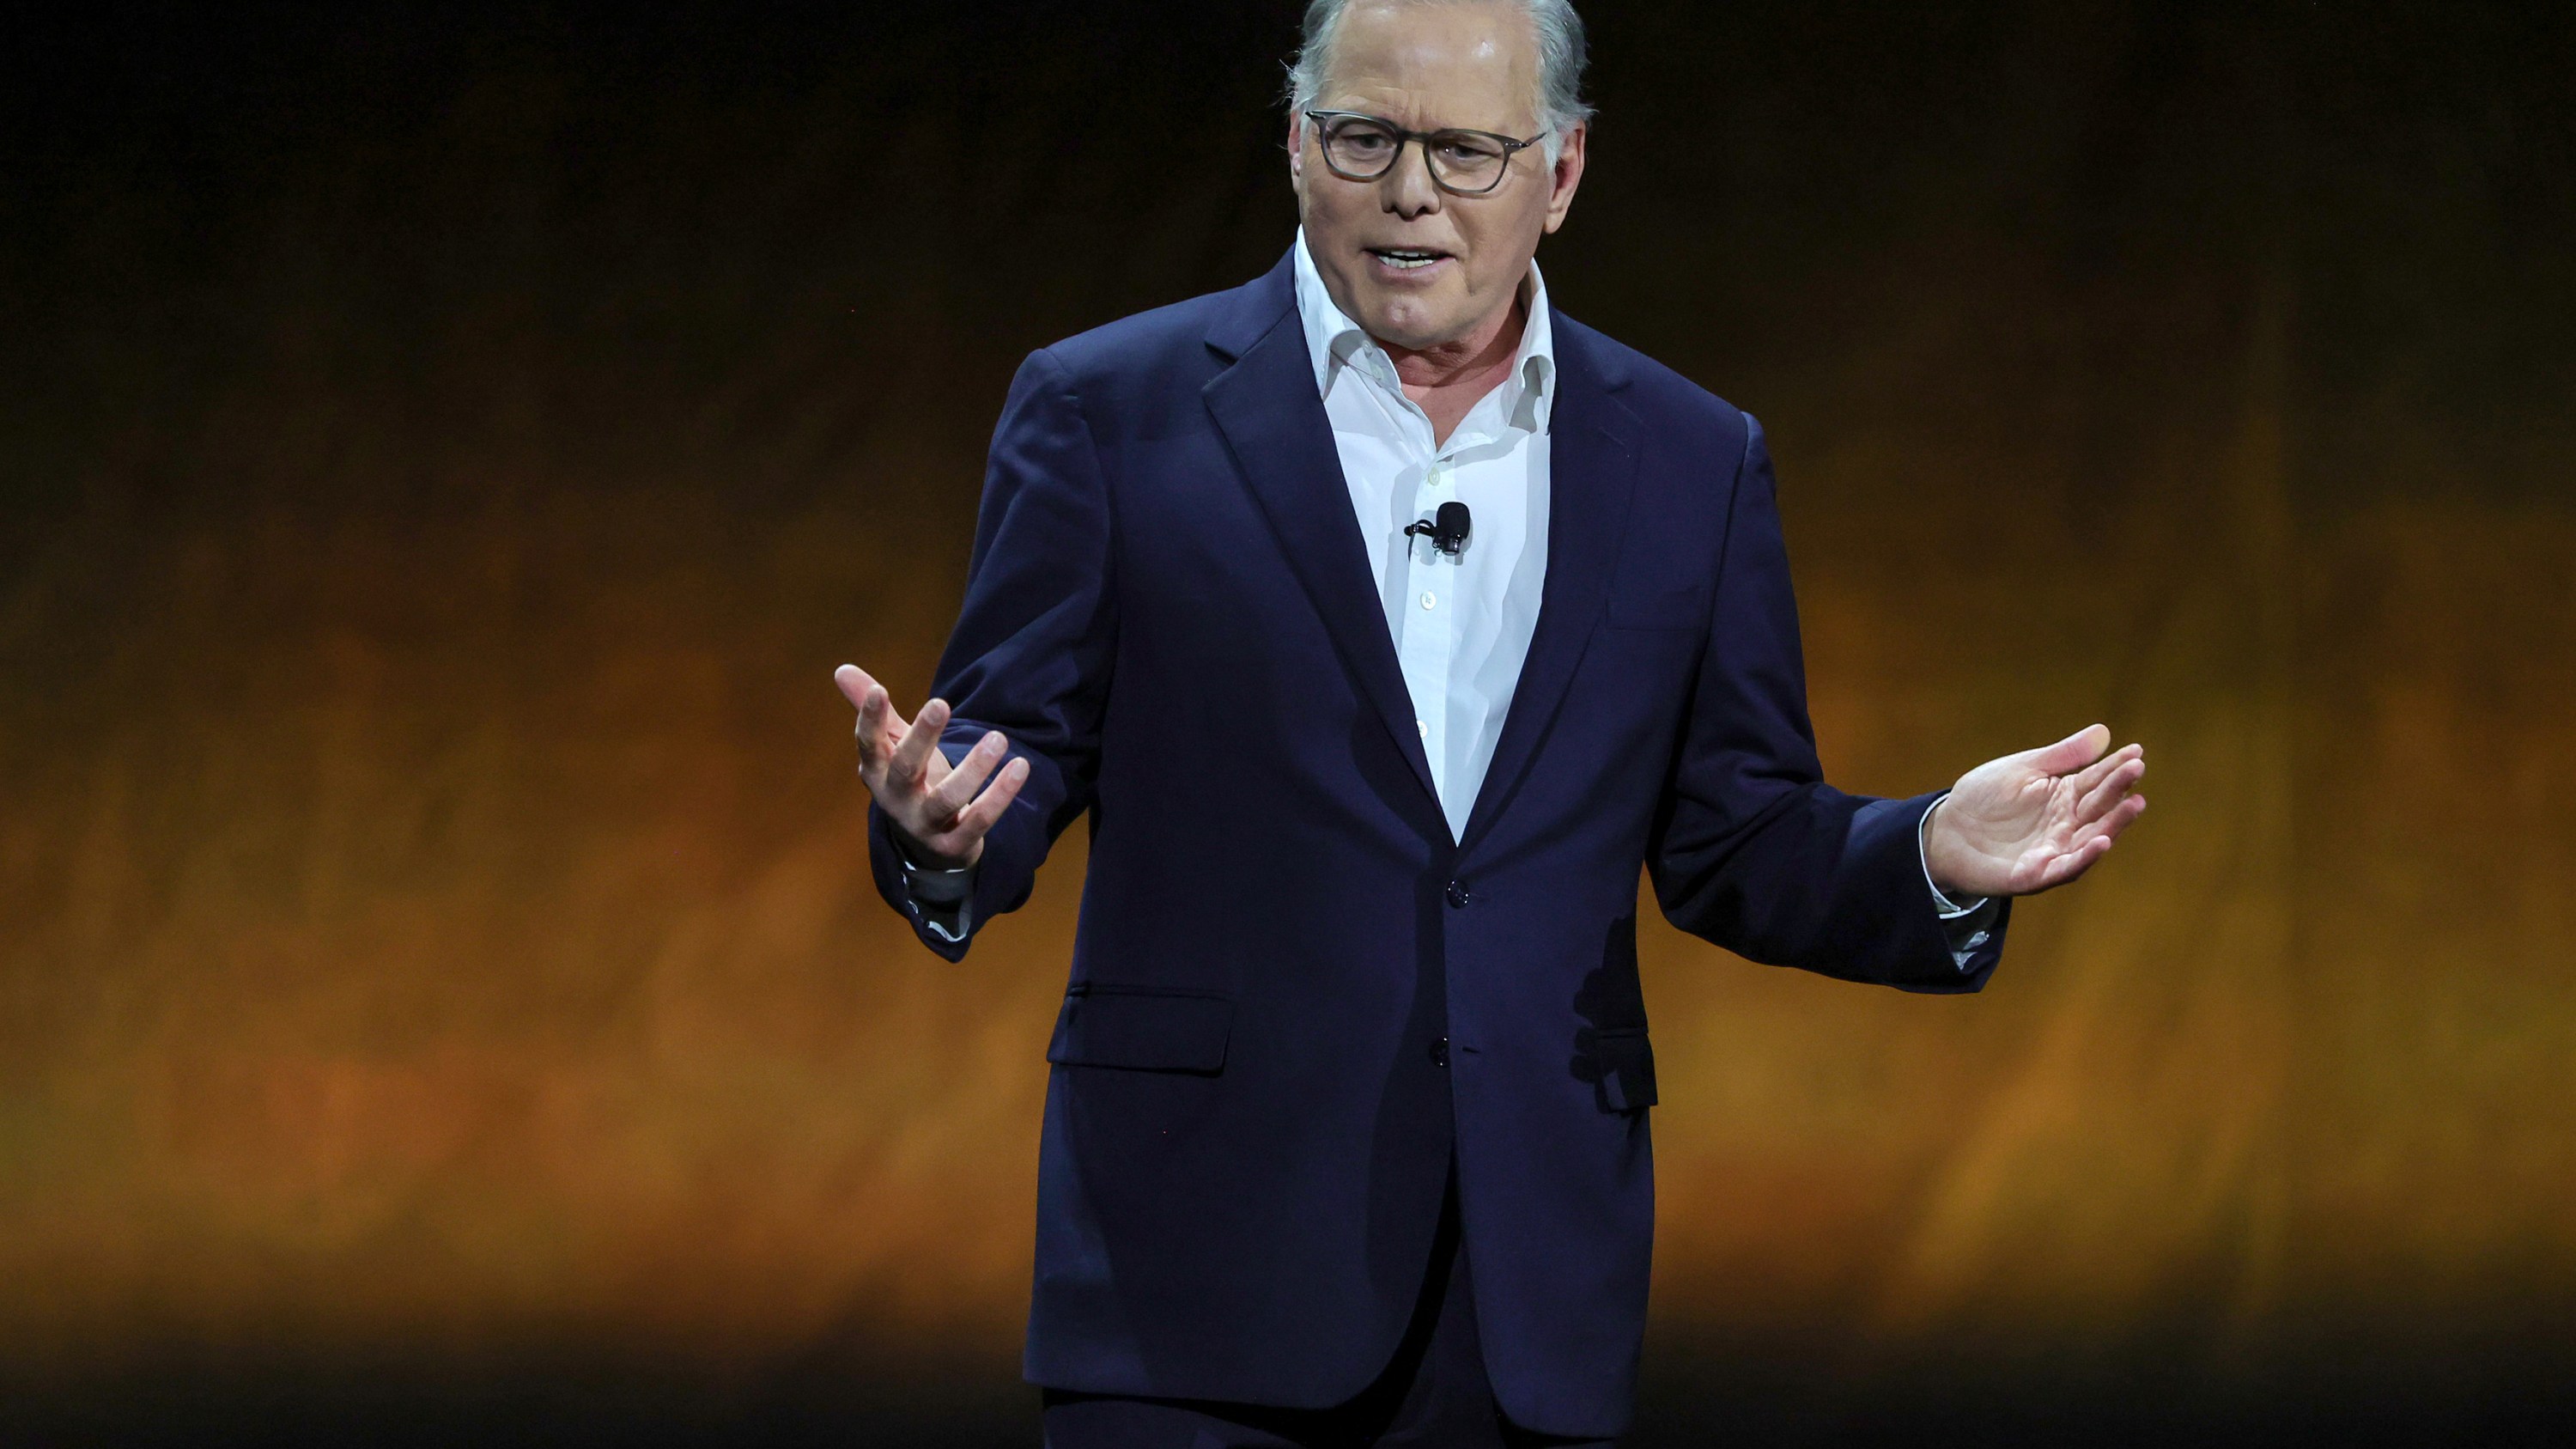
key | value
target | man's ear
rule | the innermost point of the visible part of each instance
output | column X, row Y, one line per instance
column 1567, row 176
column 1297, row 159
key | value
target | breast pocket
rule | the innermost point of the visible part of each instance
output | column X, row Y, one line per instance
column 1142, row 1028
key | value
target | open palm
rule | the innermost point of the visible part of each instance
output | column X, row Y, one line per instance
column 2029, row 821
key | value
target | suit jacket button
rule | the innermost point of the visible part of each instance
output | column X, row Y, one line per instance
column 1440, row 1052
column 1457, row 894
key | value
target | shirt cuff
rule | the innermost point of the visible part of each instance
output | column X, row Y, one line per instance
column 942, row 900
column 1967, row 925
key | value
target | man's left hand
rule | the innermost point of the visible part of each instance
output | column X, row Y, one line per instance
column 2027, row 822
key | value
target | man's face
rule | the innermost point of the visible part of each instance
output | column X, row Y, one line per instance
column 1428, row 67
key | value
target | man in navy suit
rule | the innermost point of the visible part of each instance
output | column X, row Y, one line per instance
column 1384, row 620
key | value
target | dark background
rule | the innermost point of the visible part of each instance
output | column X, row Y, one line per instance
column 445, row 454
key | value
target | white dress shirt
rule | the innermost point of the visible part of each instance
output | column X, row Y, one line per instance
column 1462, row 622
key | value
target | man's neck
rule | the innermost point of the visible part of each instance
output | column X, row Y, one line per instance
column 1448, row 379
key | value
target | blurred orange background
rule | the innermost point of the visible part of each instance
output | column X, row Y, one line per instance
column 447, row 458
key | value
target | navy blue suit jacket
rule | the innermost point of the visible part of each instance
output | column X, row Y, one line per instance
column 1249, row 1122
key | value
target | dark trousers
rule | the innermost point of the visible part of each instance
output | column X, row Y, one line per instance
column 1433, row 1394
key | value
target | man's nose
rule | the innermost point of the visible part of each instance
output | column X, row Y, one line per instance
column 1408, row 189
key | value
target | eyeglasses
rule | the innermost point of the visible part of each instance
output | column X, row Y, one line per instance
column 1364, row 148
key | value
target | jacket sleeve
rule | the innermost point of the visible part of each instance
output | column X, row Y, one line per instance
column 1031, row 652
column 1751, row 848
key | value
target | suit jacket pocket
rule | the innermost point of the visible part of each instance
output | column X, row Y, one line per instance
column 1620, row 1064
column 1142, row 1028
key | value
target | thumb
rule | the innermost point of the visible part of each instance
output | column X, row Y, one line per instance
column 2073, row 752
column 854, row 683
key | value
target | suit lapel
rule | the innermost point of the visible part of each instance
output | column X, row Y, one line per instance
column 1274, row 423
column 1592, row 461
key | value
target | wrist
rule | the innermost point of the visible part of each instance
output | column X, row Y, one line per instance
column 1941, row 850
column 919, row 857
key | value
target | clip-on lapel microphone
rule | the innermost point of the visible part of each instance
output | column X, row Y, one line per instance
column 1448, row 529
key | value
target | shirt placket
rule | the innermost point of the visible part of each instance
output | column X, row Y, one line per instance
column 1431, row 634
column 1428, row 642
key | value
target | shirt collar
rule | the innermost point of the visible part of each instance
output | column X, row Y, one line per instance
column 1335, row 342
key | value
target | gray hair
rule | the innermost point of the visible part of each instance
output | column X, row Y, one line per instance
column 1559, row 102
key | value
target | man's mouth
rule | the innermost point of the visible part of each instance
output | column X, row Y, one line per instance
column 1406, row 259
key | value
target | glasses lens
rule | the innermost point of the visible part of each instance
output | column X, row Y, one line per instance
column 1467, row 161
column 1360, row 148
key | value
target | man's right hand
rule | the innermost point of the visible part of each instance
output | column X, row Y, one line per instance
column 936, row 808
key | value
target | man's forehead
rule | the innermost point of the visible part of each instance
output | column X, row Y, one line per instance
column 1448, row 64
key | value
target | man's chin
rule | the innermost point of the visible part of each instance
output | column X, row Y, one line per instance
column 1415, row 328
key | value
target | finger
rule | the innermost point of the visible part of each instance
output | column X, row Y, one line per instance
column 2091, row 775
column 2071, row 864
column 871, row 735
column 2115, row 820
column 2084, row 860
column 2074, row 751
column 860, row 687
column 977, row 819
column 879, row 731
column 855, row 683
column 911, row 756
column 953, row 791
column 2108, row 793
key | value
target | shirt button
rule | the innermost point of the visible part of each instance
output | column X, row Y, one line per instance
column 1440, row 1052
column 1422, row 728
column 1457, row 894
column 1429, row 599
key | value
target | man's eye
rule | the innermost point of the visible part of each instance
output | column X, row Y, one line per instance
column 1367, row 143
column 1468, row 153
